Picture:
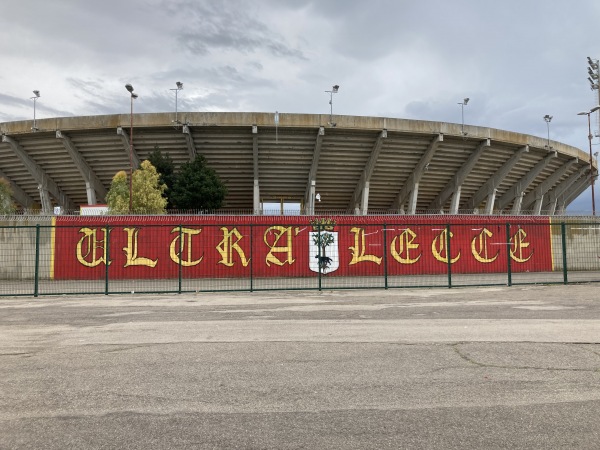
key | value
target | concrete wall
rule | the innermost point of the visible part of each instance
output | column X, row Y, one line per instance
column 18, row 248
column 582, row 243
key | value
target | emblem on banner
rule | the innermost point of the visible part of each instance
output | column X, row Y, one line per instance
column 323, row 248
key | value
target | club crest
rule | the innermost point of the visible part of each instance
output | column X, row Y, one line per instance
column 323, row 249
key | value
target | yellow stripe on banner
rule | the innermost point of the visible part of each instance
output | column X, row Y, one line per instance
column 551, row 242
column 52, row 240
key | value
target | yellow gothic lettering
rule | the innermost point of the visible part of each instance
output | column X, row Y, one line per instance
column 88, row 246
column 184, row 234
column 131, row 251
column 228, row 245
column 438, row 247
column 358, row 249
column 405, row 245
column 518, row 243
column 277, row 232
column 479, row 247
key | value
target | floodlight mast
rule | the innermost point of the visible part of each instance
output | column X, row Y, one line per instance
column 179, row 87
column 462, row 111
column 590, row 136
column 594, row 79
column 548, row 119
column 36, row 95
column 133, row 95
column 334, row 90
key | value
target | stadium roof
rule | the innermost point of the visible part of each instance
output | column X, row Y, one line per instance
column 357, row 164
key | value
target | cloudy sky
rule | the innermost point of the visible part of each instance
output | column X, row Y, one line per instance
column 517, row 60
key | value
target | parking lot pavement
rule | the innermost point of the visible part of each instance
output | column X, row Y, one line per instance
column 461, row 368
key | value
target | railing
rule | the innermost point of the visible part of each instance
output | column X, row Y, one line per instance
column 140, row 257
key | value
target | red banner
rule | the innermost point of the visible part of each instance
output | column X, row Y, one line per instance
column 299, row 246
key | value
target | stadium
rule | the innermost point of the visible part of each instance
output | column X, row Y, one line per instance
column 313, row 163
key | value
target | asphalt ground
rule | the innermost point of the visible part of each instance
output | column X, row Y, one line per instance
column 466, row 368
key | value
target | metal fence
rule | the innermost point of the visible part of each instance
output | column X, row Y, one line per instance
column 55, row 260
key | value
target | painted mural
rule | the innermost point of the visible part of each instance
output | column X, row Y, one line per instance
column 298, row 246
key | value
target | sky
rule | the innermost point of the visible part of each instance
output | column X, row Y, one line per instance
column 517, row 60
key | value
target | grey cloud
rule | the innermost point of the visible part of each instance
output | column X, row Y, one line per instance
column 214, row 26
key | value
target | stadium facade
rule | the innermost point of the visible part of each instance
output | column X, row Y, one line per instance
column 357, row 165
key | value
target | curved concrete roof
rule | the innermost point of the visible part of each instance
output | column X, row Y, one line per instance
column 360, row 164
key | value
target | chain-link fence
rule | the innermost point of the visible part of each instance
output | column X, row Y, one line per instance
column 118, row 256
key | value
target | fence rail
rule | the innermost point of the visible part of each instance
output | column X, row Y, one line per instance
column 124, row 257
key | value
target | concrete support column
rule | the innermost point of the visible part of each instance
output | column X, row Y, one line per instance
column 455, row 201
column 45, row 200
column 412, row 199
column 91, row 193
column 516, row 209
column 489, row 205
column 256, row 198
column 537, row 207
column 311, row 198
column 365, row 200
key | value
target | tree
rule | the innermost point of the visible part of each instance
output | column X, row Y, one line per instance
column 117, row 197
column 147, row 192
column 198, row 187
column 166, row 170
column 6, row 204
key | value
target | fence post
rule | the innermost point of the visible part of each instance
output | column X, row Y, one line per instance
column 180, row 255
column 508, row 257
column 106, row 257
column 563, row 233
column 319, row 254
column 37, row 262
column 448, row 256
column 385, row 261
column 251, row 258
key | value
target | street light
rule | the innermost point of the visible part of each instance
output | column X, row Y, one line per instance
column 588, row 114
column 133, row 95
column 334, row 90
column 462, row 111
column 36, row 95
column 177, row 89
column 548, row 119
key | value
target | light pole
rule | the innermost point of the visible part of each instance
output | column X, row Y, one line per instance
column 588, row 114
column 462, row 113
column 548, row 119
column 177, row 89
column 133, row 95
column 334, row 90
column 594, row 75
column 36, row 95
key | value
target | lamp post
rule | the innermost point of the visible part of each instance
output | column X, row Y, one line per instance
column 133, row 95
column 588, row 114
column 462, row 114
column 334, row 90
column 548, row 119
column 177, row 89
column 36, row 95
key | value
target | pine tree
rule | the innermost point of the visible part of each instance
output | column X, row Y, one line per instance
column 198, row 187
column 166, row 169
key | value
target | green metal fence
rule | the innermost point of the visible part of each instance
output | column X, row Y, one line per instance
column 29, row 260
